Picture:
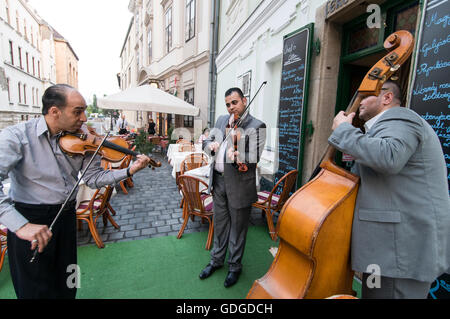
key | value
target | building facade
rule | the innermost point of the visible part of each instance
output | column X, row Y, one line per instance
column 167, row 45
column 28, row 61
column 66, row 61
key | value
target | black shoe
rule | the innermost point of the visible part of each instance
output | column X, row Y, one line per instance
column 208, row 271
column 232, row 278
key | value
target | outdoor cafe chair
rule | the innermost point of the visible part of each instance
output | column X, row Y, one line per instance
column 272, row 202
column 182, row 141
column 196, row 204
column 124, row 164
column 156, row 141
column 191, row 161
column 3, row 245
column 98, row 206
column 184, row 147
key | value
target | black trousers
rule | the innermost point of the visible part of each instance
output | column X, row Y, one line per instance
column 230, row 228
column 48, row 276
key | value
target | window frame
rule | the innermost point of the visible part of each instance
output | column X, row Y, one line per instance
column 168, row 29
column 190, row 16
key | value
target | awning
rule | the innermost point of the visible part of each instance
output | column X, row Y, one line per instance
column 147, row 98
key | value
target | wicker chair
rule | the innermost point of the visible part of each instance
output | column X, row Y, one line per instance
column 3, row 245
column 124, row 164
column 270, row 202
column 196, row 204
column 191, row 161
column 97, row 206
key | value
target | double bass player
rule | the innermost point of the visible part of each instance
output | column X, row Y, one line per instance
column 401, row 222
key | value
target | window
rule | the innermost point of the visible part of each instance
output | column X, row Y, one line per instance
column 190, row 19
column 20, row 58
column 7, row 12
column 25, row 94
column 188, row 121
column 9, row 93
column 17, row 21
column 168, row 32
column 39, row 69
column 19, row 87
column 149, row 41
column 11, row 52
column 25, row 29
column 28, row 62
column 245, row 83
column 138, row 60
column 34, row 70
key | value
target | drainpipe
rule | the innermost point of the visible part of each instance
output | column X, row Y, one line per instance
column 214, row 41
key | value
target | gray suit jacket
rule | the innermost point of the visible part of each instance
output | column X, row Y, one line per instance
column 240, row 186
column 402, row 213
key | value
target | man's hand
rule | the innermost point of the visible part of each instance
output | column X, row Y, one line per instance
column 38, row 235
column 142, row 161
column 214, row 146
column 342, row 118
column 232, row 154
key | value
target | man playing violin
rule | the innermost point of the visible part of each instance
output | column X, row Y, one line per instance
column 42, row 176
column 401, row 225
column 234, row 191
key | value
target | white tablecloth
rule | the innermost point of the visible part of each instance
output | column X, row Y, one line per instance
column 200, row 172
column 175, row 157
column 174, row 148
column 85, row 193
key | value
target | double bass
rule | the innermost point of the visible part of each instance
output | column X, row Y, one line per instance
column 315, row 224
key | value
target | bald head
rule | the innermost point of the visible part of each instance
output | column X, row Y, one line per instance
column 393, row 87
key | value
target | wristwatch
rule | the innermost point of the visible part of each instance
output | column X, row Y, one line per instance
column 128, row 172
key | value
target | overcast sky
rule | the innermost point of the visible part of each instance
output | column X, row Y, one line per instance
column 96, row 31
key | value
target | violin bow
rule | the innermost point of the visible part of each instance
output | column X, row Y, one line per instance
column 71, row 192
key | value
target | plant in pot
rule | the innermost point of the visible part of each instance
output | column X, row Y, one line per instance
column 143, row 145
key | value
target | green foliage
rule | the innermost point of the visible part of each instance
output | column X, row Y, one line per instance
column 142, row 143
column 169, row 133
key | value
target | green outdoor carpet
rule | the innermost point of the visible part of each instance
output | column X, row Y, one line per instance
column 162, row 267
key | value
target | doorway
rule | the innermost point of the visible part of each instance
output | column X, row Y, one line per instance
column 362, row 48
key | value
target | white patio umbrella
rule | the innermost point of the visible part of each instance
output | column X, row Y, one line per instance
column 147, row 98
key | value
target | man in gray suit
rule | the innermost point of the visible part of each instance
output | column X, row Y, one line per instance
column 234, row 191
column 401, row 226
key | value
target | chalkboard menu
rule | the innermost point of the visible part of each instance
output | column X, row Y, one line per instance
column 430, row 95
column 293, row 100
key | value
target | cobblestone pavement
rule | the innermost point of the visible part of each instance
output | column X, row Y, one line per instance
column 150, row 209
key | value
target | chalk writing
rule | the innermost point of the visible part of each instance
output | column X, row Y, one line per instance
column 430, row 96
column 425, row 69
column 435, row 45
column 435, row 21
column 291, row 102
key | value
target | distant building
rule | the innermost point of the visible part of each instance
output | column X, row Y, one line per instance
column 28, row 61
column 66, row 61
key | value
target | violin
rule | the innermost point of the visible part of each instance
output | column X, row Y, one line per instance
column 114, row 149
column 236, row 136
